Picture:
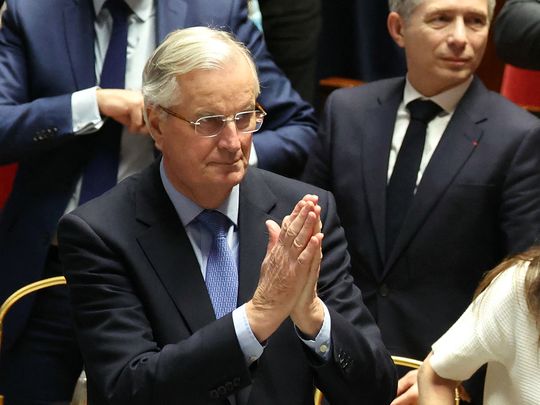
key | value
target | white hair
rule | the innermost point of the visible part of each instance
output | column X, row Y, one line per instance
column 406, row 7
column 186, row 50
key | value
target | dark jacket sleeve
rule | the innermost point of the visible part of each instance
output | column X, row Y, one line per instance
column 35, row 108
column 517, row 33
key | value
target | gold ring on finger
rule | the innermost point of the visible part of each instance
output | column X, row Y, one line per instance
column 297, row 244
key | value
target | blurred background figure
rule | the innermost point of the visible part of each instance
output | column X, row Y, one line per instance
column 291, row 31
column 517, row 39
column 314, row 39
column 355, row 42
column 517, row 33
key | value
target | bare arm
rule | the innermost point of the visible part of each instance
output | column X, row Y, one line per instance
column 433, row 389
column 407, row 390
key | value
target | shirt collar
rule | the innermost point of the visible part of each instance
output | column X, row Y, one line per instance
column 447, row 100
column 188, row 210
column 141, row 8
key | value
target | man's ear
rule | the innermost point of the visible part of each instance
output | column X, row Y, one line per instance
column 153, row 123
column 395, row 25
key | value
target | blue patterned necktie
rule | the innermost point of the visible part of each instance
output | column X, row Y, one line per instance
column 221, row 271
column 101, row 171
column 400, row 189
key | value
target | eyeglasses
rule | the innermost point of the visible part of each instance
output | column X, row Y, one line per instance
column 209, row 126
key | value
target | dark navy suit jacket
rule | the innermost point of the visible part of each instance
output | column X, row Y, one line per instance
column 478, row 201
column 145, row 321
column 46, row 54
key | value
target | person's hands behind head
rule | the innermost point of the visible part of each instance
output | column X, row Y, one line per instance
column 124, row 106
column 289, row 273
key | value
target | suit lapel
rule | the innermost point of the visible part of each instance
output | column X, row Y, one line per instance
column 171, row 15
column 79, row 30
column 167, row 246
column 256, row 201
column 379, row 127
column 457, row 144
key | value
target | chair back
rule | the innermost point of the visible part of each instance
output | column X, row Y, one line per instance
column 522, row 86
column 79, row 397
column 318, row 397
column 406, row 362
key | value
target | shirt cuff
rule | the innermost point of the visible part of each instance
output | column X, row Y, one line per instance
column 321, row 345
column 85, row 112
column 249, row 344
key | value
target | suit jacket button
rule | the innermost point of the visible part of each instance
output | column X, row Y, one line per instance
column 222, row 391
column 384, row 290
column 214, row 394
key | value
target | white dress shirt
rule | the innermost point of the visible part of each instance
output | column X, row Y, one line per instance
column 447, row 100
column 136, row 150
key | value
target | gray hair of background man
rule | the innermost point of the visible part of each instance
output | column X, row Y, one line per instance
column 406, row 7
column 186, row 50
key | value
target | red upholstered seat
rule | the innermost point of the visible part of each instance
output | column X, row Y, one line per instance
column 522, row 87
column 7, row 174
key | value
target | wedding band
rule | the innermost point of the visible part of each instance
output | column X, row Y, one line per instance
column 297, row 245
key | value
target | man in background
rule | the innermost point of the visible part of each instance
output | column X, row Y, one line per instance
column 436, row 178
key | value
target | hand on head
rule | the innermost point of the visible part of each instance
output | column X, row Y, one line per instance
column 289, row 274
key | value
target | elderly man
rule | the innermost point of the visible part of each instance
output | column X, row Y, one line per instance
column 436, row 178
column 177, row 294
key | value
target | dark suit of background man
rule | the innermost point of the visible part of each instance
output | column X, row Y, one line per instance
column 291, row 31
column 137, row 259
column 51, row 56
column 477, row 198
column 517, row 33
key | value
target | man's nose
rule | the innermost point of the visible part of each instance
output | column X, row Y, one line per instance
column 229, row 138
column 457, row 37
